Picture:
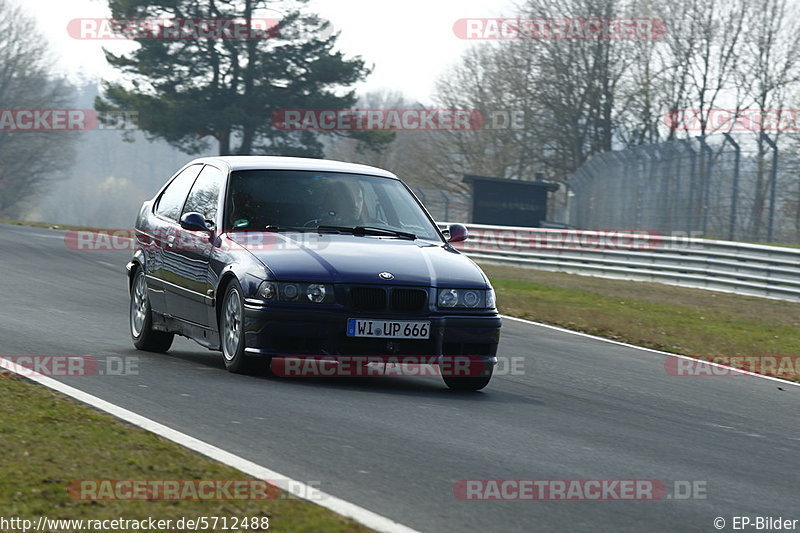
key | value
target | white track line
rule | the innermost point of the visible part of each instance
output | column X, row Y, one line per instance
column 581, row 334
column 359, row 514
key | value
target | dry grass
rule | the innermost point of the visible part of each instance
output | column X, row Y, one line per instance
column 50, row 440
column 675, row 319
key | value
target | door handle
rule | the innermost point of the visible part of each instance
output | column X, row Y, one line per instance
column 171, row 241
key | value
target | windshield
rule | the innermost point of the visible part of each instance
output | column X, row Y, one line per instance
column 285, row 200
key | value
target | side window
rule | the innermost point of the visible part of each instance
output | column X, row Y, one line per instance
column 205, row 193
column 171, row 200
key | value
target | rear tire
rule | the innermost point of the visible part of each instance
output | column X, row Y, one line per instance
column 231, row 335
column 141, row 319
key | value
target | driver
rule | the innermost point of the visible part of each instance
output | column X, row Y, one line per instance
column 361, row 211
column 348, row 207
column 245, row 210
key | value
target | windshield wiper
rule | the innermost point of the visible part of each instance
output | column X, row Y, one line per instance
column 368, row 230
column 374, row 230
column 276, row 228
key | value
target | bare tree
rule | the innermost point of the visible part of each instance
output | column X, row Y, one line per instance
column 768, row 73
column 410, row 154
column 585, row 97
column 28, row 159
column 567, row 91
column 489, row 82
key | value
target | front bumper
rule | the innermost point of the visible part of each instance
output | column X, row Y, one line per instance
column 299, row 332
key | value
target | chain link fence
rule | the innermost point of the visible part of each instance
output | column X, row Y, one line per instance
column 740, row 187
column 445, row 205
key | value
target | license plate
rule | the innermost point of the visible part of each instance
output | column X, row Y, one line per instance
column 387, row 329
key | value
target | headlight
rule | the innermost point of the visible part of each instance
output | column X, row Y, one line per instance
column 316, row 293
column 267, row 291
column 471, row 298
column 280, row 291
column 448, row 298
column 466, row 298
column 289, row 291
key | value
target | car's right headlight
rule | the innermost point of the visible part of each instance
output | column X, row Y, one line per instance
column 283, row 291
column 465, row 299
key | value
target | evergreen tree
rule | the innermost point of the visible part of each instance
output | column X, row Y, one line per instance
column 185, row 90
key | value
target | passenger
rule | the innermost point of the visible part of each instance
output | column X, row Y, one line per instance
column 354, row 208
column 340, row 206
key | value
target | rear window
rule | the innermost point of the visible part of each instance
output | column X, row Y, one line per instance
column 204, row 195
column 171, row 200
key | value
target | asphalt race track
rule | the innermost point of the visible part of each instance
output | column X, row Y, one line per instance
column 584, row 409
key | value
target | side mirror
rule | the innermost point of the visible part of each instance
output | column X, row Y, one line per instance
column 457, row 233
column 194, row 222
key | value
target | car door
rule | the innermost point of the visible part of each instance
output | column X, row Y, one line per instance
column 192, row 298
column 161, row 231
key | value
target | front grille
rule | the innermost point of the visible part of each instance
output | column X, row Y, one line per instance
column 408, row 300
column 368, row 298
column 396, row 300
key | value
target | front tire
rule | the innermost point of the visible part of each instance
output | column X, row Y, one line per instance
column 141, row 319
column 231, row 333
column 478, row 378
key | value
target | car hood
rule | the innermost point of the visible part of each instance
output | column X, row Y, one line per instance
column 360, row 259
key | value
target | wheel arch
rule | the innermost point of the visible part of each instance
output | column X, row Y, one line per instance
column 136, row 262
column 224, row 281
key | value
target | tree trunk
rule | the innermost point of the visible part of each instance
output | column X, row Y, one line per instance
column 224, row 142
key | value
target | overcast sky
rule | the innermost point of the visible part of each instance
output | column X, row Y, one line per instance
column 410, row 42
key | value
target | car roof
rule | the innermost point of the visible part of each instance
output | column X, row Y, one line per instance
column 258, row 162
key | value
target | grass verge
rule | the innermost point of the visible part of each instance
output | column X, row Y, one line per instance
column 679, row 320
column 50, row 440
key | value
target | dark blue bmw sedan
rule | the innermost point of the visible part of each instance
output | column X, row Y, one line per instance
column 281, row 257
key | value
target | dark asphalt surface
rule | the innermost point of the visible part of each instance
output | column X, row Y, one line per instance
column 584, row 409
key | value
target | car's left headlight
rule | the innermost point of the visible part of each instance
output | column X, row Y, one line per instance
column 465, row 299
column 282, row 291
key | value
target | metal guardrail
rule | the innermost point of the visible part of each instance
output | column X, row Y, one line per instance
column 739, row 268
